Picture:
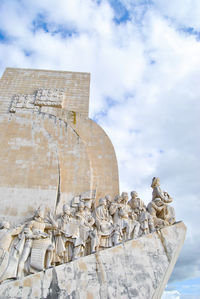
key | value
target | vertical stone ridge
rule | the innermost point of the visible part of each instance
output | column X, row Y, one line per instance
column 101, row 274
column 54, row 289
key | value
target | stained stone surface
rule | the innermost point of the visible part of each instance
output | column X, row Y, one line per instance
column 51, row 150
column 135, row 269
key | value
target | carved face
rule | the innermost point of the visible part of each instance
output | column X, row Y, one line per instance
column 155, row 182
column 118, row 199
column 66, row 210
column 108, row 198
column 103, row 202
column 39, row 213
column 158, row 202
column 125, row 196
column 81, row 207
column 134, row 194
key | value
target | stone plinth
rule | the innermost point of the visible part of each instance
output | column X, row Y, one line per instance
column 136, row 269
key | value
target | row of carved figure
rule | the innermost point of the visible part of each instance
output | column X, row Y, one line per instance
column 45, row 240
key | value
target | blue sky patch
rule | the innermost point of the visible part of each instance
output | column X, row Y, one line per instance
column 121, row 12
column 64, row 32
column 189, row 287
column 191, row 31
column 28, row 53
column 3, row 37
column 99, row 116
column 40, row 23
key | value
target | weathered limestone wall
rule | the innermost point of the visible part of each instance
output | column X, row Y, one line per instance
column 136, row 269
column 26, row 81
column 50, row 153
column 102, row 157
column 39, row 152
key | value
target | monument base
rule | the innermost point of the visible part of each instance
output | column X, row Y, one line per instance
column 135, row 269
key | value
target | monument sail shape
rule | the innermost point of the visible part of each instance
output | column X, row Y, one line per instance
column 65, row 230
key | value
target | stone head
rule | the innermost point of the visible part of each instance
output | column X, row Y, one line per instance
column 81, row 206
column 124, row 196
column 87, row 205
column 39, row 213
column 66, row 210
column 134, row 194
column 103, row 201
column 118, row 198
column 158, row 201
column 108, row 198
column 155, row 182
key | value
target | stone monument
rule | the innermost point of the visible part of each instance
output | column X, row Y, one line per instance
column 65, row 229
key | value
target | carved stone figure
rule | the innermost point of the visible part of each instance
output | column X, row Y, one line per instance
column 135, row 223
column 8, row 266
column 158, row 193
column 65, row 234
column 109, row 200
column 93, row 234
column 42, row 247
column 84, row 226
column 146, row 222
column 28, row 235
column 129, row 224
column 155, row 208
column 114, row 211
column 136, row 202
column 104, row 223
column 167, row 213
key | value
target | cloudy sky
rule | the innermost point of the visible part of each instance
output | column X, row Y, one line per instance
column 144, row 60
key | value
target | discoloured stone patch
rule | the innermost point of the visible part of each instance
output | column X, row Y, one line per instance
column 90, row 296
column 27, row 282
column 82, row 266
column 117, row 249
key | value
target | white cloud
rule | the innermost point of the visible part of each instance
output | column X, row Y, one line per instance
column 184, row 14
column 171, row 295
